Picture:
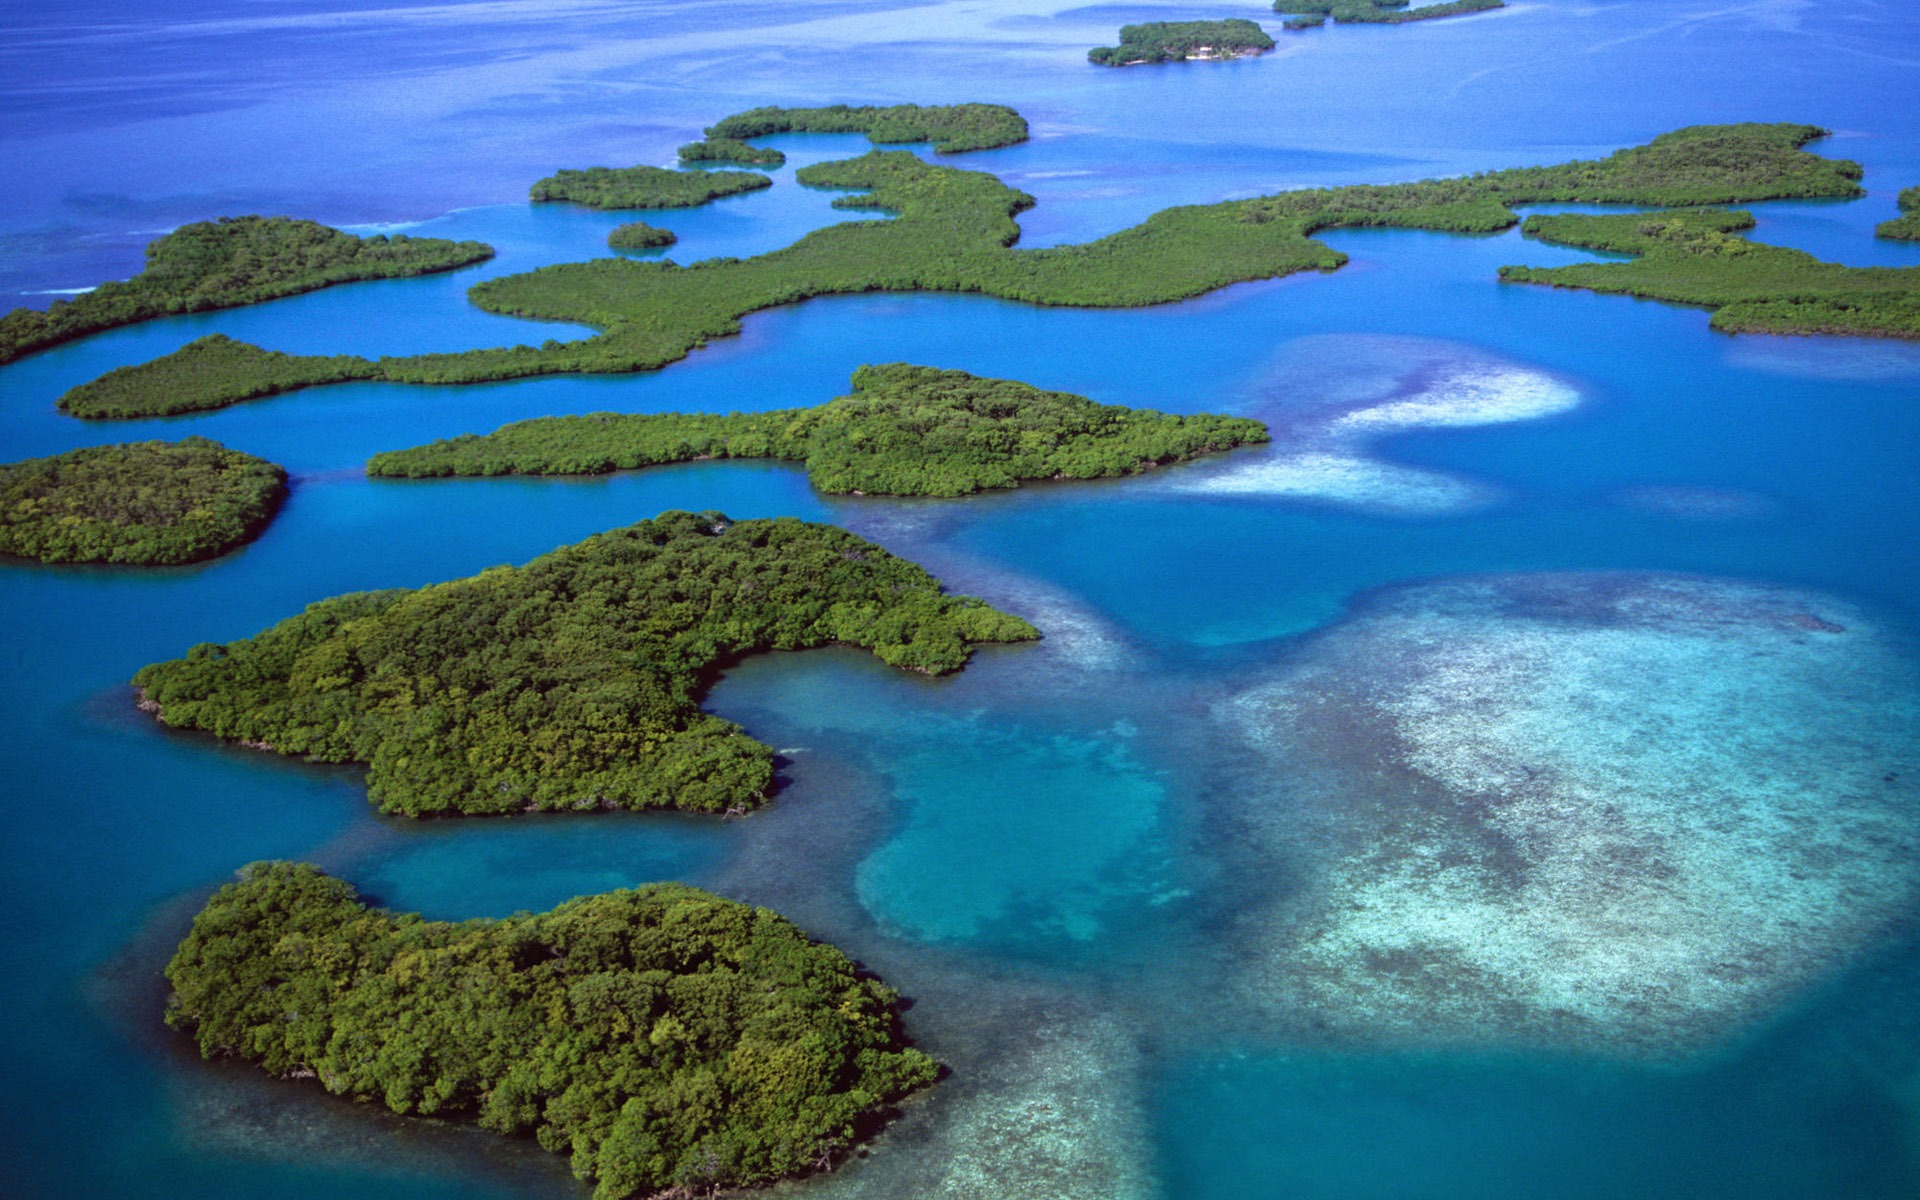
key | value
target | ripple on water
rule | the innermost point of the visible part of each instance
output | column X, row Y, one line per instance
column 1630, row 813
column 1335, row 393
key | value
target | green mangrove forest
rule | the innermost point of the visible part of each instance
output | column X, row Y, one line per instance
column 146, row 503
column 644, row 187
column 1178, row 41
column 572, row 683
column 954, row 231
column 952, row 128
column 1906, row 226
column 730, row 150
column 662, row 1037
column 905, row 431
column 638, row 235
column 228, row 263
column 1310, row 13
column 1699, row 257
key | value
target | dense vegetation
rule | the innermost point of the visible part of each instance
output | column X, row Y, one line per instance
column 638, row 235
column 149, row 503
column 1907, row 225
column 1175, row 41
column 1309, row 13
column 572, row 682
column 213, row 365
column 663, row 1037
column 645, row 187
column 226, row 263
column 952, row 128
column 954, row 232
column 1699, row 257
column 733, row 150
column 905, row 431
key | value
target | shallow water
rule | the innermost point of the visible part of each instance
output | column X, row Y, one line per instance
column 1069, row 855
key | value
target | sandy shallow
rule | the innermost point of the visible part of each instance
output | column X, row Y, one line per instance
column 1626, row 813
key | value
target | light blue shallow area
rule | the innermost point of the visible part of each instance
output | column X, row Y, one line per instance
column 1037, row 817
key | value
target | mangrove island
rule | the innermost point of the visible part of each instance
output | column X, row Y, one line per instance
column 572, row 683
column 228, row 263
column 1906, row 226
column 644, row 187
column 1699, row 257
column 638, row 235
column 905, row 431
column 145, row 503
column 1182, row 41
column 952, row 128
column 663, row 1037
column 954, row 231
column 1309, row 13
column 730, row 150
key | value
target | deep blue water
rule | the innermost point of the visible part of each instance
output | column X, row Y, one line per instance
column 1049, row 822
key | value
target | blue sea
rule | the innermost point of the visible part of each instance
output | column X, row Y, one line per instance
column 1505, row 786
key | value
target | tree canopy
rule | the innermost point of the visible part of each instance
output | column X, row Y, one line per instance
column 1308, row 13
column 645, row 187
column 1906, row 226
column 1700, row 257
column 573, row 682
column 146, row 503
column 1176, row 41
column 905, row 431
column 952, row 128
column 660, row 1036
column 733, row 150
column 638, row 235
column 230, row 262
column 954, row 231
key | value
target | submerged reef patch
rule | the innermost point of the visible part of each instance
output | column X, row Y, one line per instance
column 1626, row 813
column 1341, row 391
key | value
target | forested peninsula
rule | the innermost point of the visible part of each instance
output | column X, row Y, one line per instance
column 144, row 503
column 572, row 683
column 1309, row 13
column 1699, row 257
column 644, row 187
column 663, row 1037
column 1906, row 226
column 953, row 231
column 730, row 150
column 227, row 263
column 905, row 431
column 952, row 128
column 1179, row 41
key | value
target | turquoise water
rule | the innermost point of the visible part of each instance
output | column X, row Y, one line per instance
column 1072, row 855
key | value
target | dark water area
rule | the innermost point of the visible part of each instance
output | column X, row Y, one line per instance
column 1105, row 866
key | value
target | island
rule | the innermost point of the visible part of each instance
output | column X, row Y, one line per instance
column 228, row 263
column 952, row 128
column 668, row 1040
column 905, row 431
column 638, row 235
column 644, row 187
column 572, row 683
column 1181, row 41
column 1311, row 13
column 730, row 150
column 1699, row 257
column 1906, row 226
column 142, row 503
column 954, row 231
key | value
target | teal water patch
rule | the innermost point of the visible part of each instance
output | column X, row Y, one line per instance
column 1012, row 831
column 1334, row 1127
column 518, row 864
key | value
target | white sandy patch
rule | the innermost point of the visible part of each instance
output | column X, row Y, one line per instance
column 1626, row 813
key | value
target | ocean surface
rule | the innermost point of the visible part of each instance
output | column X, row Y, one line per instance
column 1506, row 786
